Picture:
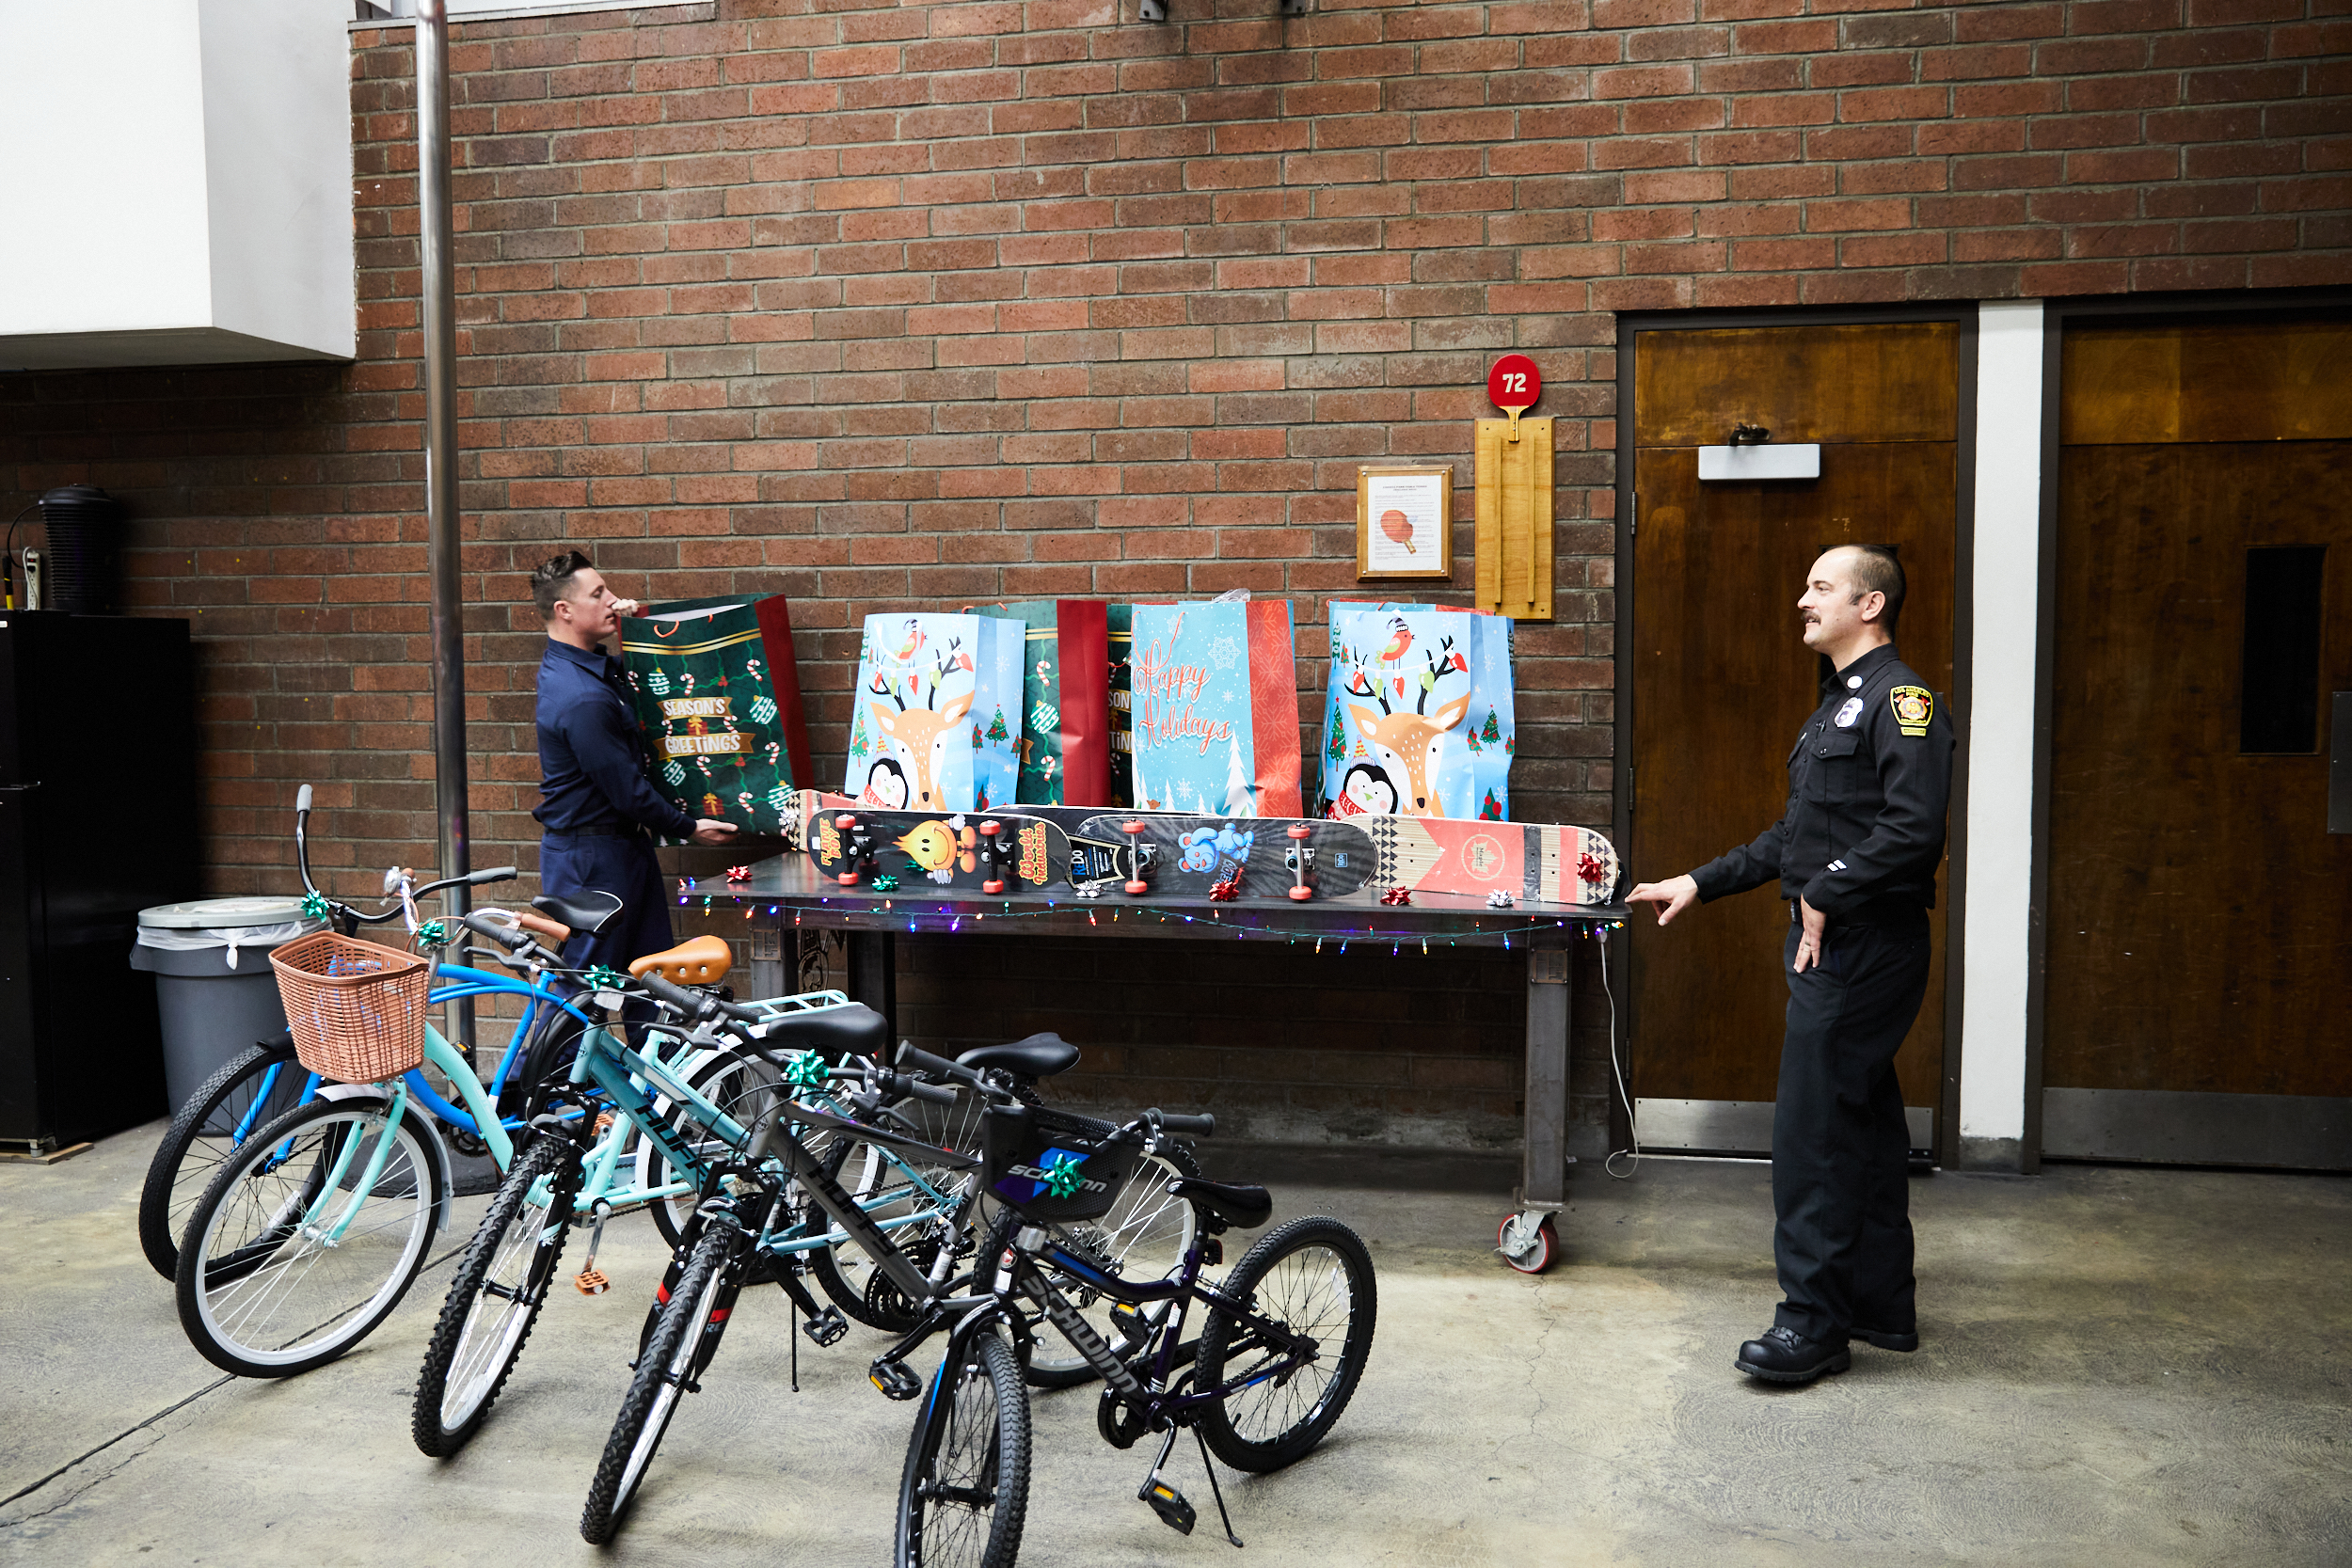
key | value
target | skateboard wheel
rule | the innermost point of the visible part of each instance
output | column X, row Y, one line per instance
column 991, row 828
column 1301, row 893
column 1299, row 830
column 1131, row 826
column 844, row 822
column 992, row 887
column 1138, row 889
column 847, row 878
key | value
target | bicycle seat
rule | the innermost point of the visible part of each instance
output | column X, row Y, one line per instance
column 1246, row 1208
column 831, row 1031
column 581, row 911
column 703, row 961
column 1039, row 1057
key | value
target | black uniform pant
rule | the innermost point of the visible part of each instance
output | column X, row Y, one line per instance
column 1840, row 1148
column 625, row 867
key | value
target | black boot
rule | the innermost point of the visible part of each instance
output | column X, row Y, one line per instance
column 1885, row 1340
column 1784, row 1355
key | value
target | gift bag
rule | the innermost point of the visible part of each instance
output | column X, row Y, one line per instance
column 1417, row 714
column 936, row 719
column 1216, row 694
column 718, row 700
column 1065, row 700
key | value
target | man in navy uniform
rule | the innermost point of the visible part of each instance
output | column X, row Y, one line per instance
column 1855, row 852
column 597, row 812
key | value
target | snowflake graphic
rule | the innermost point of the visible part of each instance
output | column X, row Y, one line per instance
column 763, row 709
column 672, row 773
column 1224, row 652
column 659, row 681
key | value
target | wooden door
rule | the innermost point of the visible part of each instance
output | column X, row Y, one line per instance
column 2200, row 912
column 1721, row 680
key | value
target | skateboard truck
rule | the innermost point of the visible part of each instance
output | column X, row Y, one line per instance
column 1296, row 859
column 1138, row 856
column 996, row 852
column 857, row 849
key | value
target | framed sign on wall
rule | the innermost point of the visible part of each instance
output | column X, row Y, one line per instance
column 1404, row 520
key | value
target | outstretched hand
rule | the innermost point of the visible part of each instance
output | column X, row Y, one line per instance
column 1673, row 896
column 710, row 829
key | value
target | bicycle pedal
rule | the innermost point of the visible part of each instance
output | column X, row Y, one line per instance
column 1169, row 1504
column 592, row 1282
column 894, row 1380
column 1131, row 1324
column 827, row 1327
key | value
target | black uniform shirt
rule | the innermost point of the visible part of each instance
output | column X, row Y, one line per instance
column 592, row 774
column 1868, row 782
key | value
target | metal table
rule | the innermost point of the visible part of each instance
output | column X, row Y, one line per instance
column 787, row 891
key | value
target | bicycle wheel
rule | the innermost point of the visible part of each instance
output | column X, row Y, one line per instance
column 965, row 1491
column 1313, row 1276
column 744, row 1088
column 266, row 1287
column 1144, row 1236
column 500, row 1285
column 847, row 1273
column 253, row 1086
column 684, row 1338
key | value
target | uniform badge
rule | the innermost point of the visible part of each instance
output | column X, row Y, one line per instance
column 1847, row 714
column 1914, row 707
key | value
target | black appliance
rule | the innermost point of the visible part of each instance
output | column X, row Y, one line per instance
column 98, row 821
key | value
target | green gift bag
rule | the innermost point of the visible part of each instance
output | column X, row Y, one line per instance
column 1065, row 700
column 719, row 702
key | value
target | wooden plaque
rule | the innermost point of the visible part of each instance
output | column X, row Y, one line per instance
column 1513, row 539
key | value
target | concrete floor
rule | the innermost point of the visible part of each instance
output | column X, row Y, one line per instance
column 2121, row 1366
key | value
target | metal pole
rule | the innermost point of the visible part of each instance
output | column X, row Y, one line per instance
column 439, row 289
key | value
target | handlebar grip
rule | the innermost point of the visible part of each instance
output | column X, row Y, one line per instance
column 937, row 1093
column 302, row 799
column 1203, row 1125
column 909, row 1056
column 509, row 937
column 553, row 930
column 687, row 1001
column 495, row 874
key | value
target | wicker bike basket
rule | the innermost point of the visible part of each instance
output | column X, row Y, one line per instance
column 357, row 1009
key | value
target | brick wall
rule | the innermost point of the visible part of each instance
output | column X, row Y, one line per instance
column 884, row 306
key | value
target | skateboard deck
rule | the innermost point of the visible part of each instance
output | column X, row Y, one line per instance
column 1537, row 860
column 986, row 852
column 1191, row 854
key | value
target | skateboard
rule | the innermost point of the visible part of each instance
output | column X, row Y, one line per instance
column 1538, row 860
column 1245, row 857
column 986, row 852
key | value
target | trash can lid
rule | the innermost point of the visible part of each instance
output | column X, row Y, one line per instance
column 211, row 914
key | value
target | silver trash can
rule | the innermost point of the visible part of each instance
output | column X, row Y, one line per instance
column 214, row 988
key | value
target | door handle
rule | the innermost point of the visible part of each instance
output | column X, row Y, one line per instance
column 2340, row 765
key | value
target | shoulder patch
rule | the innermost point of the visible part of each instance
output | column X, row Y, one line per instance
column 1914, row 707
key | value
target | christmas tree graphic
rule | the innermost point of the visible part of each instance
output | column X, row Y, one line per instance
column 858, row 744
column 1337, row 750
column 1492, row 734
column 997, row 730
column 1490, row 810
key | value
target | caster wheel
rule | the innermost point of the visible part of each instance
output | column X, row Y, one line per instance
column 1527, row 1241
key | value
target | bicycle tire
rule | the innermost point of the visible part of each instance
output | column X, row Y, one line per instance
column 670, row 1358
column 1145, row 1229
column 200, row 1136
column 239, row 1280
column 511, row 1261
column 1314, row 1276
column 975, row 1428
column 727, row 1081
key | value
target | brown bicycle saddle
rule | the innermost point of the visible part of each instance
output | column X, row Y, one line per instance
column 703, row 961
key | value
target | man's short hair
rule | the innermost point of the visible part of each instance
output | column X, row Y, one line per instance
column 1877, row 570
column 551, row 580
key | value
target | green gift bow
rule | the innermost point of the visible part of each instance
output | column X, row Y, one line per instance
column 600, row 979
column 432, row 934
column 1063, row 1180
column 316, row 906
column 805, row 1069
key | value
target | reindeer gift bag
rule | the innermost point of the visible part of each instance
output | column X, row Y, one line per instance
column 718, row 700
column 936, row 719
column 1216, row 709
column 1418, row 718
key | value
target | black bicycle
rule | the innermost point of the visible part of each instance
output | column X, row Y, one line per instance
column 1281, row 1344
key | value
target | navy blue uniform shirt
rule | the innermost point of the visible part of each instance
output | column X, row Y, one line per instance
column 592, row 774
column 1868, row 782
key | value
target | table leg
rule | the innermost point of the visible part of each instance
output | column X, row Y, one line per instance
column 1527, row 1240
column 874, row 973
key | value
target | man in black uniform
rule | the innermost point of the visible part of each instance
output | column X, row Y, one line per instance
column 597, row 810
column 1856, row 852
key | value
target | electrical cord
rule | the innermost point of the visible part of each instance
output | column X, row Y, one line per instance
column 1618, row 1069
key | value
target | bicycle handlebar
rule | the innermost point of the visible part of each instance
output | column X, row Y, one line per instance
column 513, row 938
column 910, row 1057
column 1204, row 1125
